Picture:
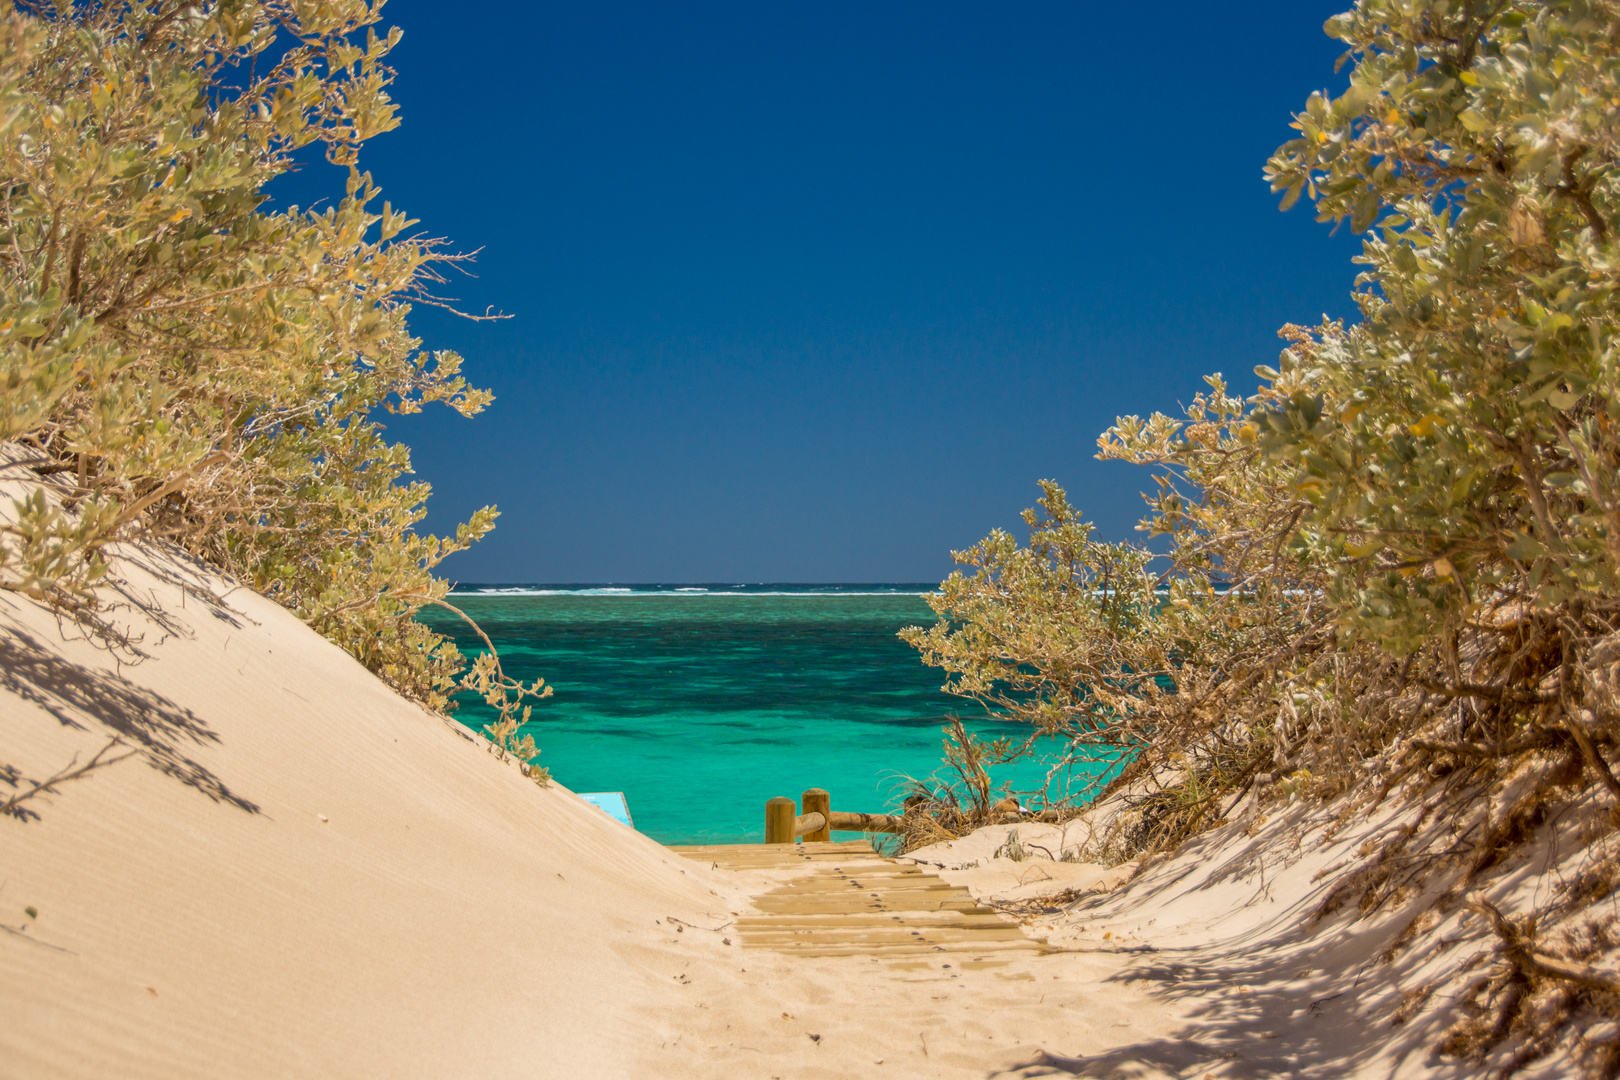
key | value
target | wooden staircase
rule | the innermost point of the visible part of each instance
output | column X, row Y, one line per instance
column 851, row 901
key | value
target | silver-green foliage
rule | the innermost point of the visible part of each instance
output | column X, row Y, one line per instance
column 1460, row 441
column 187, row 363
column 1413, row 526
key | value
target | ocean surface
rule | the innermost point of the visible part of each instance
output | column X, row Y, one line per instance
column 701, row 702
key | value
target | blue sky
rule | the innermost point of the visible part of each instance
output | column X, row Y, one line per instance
column 819, row 292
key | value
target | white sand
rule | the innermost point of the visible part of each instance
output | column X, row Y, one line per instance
column 1224, row 934
column 300, row 874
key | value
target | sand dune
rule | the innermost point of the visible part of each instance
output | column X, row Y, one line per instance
column 282, row 868
column 291, row 870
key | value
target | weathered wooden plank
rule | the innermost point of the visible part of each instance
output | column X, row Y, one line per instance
column 913, row 919
column 867, row 933
column 777, row 907
column 861, row 933
column 769, row 864
column 869, row 884
column 977, row 950
column 917, row 899
column 861, row 877
column 838, row 883
column 836, row 880
column 881, row 926
column 831, row 847
column 863, row 868
column 924, row 899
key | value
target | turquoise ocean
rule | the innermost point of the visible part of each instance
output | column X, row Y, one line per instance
column 701, row 702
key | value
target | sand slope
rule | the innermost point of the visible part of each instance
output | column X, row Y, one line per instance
column 297, row 872
column 1236, row 937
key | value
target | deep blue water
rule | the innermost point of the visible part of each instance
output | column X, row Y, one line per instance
column 702, row 702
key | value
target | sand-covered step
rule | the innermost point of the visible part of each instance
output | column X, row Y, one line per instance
column 790, row 924
column 833, row 892
column 861, row 900
column 817, row 847
column 885, row 873
column 865, row 923
column 843, row 863
column 858, row 904
column 850, row 901
column 765, row 856
column 857, row 936
column 978, row 950
column 867, row 884
column 876, row 871
column 793, row 905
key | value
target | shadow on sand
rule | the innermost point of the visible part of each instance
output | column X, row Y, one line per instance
column 157, row 728
column 1292, row 995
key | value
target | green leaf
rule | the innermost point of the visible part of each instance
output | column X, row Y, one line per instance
column 1525, row 548
column 1365, row 211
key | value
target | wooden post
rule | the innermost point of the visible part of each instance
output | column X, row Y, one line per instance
column 809, row 823
column 779, row 817
column 817, row 801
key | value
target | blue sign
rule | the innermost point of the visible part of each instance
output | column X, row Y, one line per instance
column 612, row 802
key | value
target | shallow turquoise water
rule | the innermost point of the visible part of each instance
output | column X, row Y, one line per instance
column 700, row 705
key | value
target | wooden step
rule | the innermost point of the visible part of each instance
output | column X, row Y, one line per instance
column 978, row 950
column 913, row 919
column 796, row 906
column 845, row 900
column 751, row 854
column 839, row 883
column 859, row 934
column 804, row 846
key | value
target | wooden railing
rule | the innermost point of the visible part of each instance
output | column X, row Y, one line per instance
column 783, row 824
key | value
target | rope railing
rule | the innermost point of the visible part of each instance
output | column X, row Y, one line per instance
column 784, row 824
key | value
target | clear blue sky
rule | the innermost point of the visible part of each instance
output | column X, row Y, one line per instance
column 817, row 292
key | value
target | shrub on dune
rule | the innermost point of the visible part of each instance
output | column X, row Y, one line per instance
column 185, row 362
column 1397, row 561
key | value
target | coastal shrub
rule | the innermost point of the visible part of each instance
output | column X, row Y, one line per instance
column 1393, row 569
column 183, row 361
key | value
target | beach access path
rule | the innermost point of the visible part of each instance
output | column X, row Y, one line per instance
column 847, row 900
column 277, row 866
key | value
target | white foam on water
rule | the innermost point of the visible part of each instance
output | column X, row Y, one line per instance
column 520, row 591
column 677, row 593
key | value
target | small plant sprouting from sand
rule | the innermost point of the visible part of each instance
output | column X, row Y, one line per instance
column 1011, row 848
